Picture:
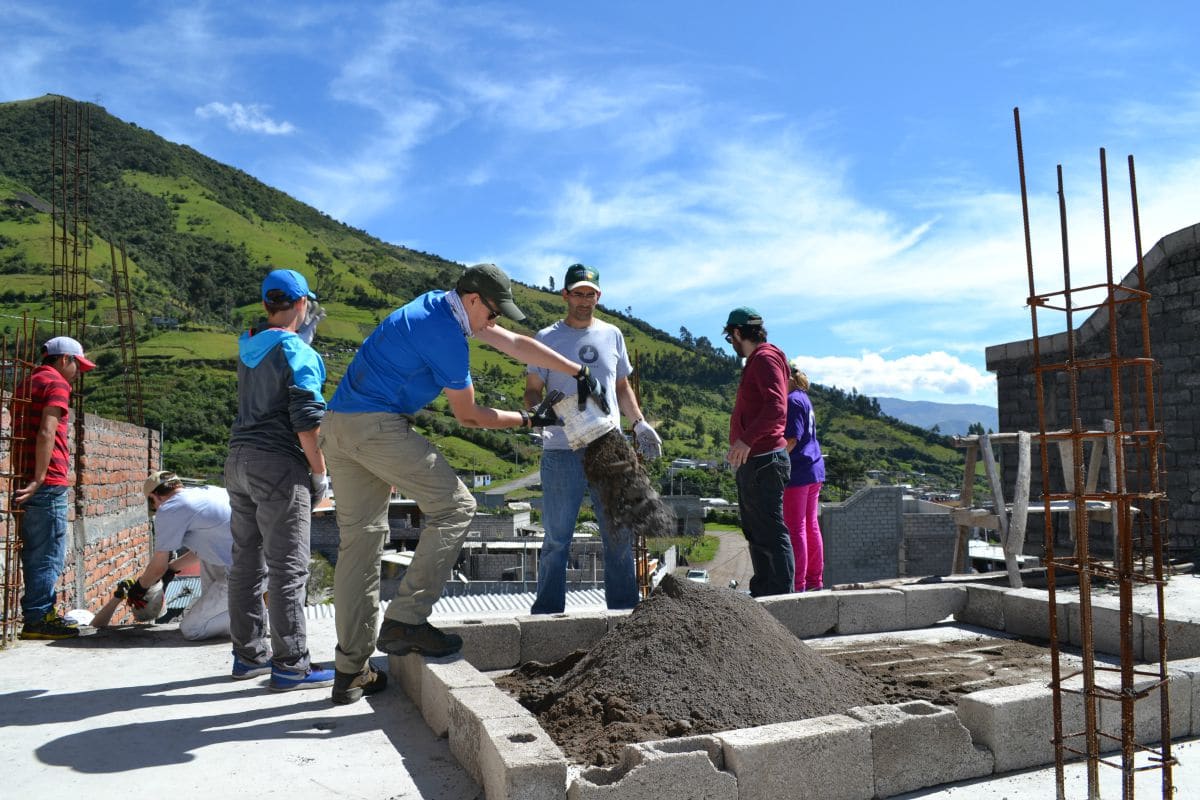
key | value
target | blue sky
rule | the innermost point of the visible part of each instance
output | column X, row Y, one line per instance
column 850, row 172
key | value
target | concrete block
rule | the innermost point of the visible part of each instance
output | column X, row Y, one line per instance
column 1183, row 637
column 1189, row 667
column 928, row 604
column 550, row 637
column 805, row 615
column 494, row 644
column 442, row 676
column 1147, row 715
column 689, row 767
column 472, row 710
column 984, row 607
column 869, row 610
column 831, row 755
column 1027, row 614
column 1106, row 630
column 519, row 761
column 1017, row 723
column 407, row 670
column 918, row 744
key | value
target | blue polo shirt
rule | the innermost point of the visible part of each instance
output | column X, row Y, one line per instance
column 407, row 360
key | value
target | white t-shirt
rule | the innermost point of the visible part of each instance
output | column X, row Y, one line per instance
column 196, row 517
column 601, row 348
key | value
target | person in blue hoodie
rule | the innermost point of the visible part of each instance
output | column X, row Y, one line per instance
column 274, row 474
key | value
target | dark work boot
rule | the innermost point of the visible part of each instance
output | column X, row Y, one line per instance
column 398, row 639
column 349, row 687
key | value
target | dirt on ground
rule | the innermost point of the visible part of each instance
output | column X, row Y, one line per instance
column 695, row 659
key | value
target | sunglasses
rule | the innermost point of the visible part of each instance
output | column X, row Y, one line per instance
column 492, row 312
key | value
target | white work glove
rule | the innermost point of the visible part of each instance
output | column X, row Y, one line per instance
column 320, row 486
column 648, row 440
column 312, row 318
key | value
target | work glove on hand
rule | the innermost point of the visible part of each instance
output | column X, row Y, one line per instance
column 320, row 486
column 648, row 440
column 586, row 386
column 133, row 592
column 543, row 414
column 312, row 318
column 167, row 577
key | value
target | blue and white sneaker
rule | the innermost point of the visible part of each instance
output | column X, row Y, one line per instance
column 285, row 680
column 243, row 671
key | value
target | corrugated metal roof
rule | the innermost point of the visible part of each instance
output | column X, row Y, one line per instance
column 486, row 605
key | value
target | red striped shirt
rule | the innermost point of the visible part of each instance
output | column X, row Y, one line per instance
column 44, row 388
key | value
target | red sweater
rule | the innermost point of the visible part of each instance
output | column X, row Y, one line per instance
column 760, row 411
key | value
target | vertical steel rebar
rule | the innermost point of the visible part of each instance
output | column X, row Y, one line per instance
column 1135, row 454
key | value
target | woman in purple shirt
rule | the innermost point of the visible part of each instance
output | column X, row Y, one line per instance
column 801, row 498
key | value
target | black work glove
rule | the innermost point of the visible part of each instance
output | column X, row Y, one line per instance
column 133, row 592
column 167, row 577
column 586, row 386
column 543, row 414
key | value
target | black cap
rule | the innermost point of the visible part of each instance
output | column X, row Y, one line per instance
column 493, row 285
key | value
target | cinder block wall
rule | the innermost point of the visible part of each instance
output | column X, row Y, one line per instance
column 1172, row 270
column 862, row 536
column 928, row 544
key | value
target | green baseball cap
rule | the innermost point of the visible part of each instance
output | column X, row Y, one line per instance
column 743, row 316
column 490, row 282
column 579, row 275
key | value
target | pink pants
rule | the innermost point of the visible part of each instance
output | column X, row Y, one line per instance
column 800, row 505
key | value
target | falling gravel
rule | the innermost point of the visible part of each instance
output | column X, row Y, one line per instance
column 690, row 659
column 631, row 504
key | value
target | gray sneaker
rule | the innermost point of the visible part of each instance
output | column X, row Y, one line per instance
column 349, row 687
column 398, row 639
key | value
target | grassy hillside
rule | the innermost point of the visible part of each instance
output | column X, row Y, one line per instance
column 200, row 235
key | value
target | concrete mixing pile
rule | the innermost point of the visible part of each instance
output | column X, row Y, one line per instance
column 629, row 499
column 690, row 659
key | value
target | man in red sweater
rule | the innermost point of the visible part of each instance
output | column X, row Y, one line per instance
column 757, row 450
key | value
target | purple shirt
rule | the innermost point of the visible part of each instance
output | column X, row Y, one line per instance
column 808, row 466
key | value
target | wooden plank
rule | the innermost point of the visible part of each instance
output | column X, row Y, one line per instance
column 993, row 475
column 1020, row 508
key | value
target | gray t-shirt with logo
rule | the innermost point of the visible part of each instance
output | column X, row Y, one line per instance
column 601, row 348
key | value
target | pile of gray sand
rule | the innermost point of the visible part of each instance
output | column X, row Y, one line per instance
column 690, row 659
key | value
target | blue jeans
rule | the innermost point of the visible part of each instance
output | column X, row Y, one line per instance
column 760, row 482
column 563, row 484
column 43, row 549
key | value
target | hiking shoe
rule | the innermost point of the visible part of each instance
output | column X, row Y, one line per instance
column 349, row 687
column 242, row 670
column 398, row 639
column 51, row 626
column 285, row 680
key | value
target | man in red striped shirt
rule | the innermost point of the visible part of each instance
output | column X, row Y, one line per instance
column 40, row 409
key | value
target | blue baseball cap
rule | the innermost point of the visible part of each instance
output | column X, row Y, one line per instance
column 291, row 283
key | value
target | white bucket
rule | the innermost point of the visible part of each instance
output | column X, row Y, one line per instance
column 582, row 427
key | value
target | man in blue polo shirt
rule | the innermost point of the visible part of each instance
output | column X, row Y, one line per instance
column 419, row 351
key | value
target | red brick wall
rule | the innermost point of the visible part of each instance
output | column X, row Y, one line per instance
column 110, row 532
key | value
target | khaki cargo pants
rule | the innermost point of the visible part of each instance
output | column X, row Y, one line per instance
column 366, row 455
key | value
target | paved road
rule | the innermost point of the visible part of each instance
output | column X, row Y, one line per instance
column 732, row 561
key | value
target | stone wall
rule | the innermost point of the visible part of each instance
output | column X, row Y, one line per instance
column 1172, row 270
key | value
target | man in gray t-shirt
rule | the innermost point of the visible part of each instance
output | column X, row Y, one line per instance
column 600, row 346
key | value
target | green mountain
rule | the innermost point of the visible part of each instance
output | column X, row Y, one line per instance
column 199, row 235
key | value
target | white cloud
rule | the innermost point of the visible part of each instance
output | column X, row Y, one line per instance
column 935, row 375
column 252, row 118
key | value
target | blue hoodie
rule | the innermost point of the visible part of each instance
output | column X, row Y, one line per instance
column 279, row 392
